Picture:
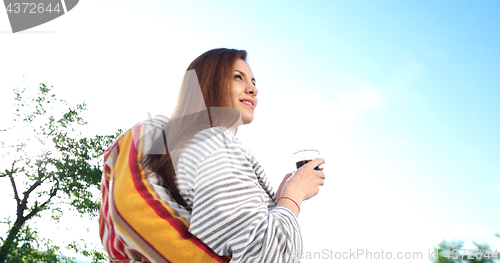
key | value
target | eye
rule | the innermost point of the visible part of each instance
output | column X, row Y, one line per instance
column 237, row 76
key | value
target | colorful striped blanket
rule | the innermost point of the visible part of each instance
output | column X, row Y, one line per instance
column 139, row 222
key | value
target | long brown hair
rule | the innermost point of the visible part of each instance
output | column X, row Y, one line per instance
column 214, row 70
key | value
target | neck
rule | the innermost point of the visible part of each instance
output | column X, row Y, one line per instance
column 235, row 126
column 233, row 129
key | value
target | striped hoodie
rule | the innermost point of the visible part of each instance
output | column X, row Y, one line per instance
column 231, row 215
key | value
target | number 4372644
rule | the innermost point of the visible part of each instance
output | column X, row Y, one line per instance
column 470, row 253
column 32, row 8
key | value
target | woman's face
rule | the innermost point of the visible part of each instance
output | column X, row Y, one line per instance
column 243, row 90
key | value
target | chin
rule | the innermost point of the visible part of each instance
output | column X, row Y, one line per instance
column 247, row 120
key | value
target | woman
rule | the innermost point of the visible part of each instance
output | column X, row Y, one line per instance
column 186, row 190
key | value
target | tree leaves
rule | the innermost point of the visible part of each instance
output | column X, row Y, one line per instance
column 66, row 169
column 28, row 247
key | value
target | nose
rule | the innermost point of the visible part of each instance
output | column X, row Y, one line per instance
column 251, row 89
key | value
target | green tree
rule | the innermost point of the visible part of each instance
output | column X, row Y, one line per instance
column 47, row 165
column 28, row 247
column 453, row 252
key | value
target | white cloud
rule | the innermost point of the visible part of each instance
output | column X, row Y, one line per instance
column 352, row 96
column 353, row 103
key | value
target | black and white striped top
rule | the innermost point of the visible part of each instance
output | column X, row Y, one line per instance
column 233, row 207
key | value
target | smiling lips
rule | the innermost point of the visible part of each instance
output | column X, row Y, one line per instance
column 247, row 102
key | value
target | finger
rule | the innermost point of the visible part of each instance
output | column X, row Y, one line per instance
column 287, row 176
column 320, row 174
column 316, row 162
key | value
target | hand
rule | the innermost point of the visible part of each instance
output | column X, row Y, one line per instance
column 305, row 182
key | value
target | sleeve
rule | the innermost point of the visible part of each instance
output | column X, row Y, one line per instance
column 230, row 213
column 137, row 220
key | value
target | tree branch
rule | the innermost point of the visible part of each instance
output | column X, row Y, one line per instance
column 53, row 193
column 13, row 183
column 22, row 206
column 37, row 207
column 33, row 212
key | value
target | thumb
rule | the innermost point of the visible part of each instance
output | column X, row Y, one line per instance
column 284, row 180
column 287, row 176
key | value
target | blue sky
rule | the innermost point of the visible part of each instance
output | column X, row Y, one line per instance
column 400, row 97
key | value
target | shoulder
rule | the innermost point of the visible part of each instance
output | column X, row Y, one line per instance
column 217, row 136
column 159, row 122
column 209, row 142
column 146, row 136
